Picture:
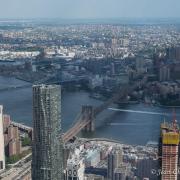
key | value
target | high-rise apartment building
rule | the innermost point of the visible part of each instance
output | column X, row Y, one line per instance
column 115, row 159
column 47, row 158
column 75, row 169
column 2, row 153
column 173, row 53
column 169, row 151
column 12, row 140
column 140, row 65
column 164, row 73
column 14, row 145
column 120, row 173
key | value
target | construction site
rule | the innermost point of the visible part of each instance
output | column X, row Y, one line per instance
column 169, row 150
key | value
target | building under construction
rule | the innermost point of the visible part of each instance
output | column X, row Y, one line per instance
column 169, row 147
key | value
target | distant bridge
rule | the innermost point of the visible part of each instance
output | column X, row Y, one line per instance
column 70, row 80
column 85, row 121
column 15, row 87
column 88, row 114
column 41, row 81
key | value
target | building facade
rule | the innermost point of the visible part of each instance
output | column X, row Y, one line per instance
column 170, row 143
column 2, row 153
column 12, row 140
column 115, row 160
column 75, row 169
column 47, row 155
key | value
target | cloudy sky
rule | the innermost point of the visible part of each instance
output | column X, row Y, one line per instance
column 88, row 8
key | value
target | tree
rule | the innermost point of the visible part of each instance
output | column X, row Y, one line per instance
column 26, row 141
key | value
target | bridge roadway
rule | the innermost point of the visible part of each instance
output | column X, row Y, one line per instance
column 22, row 126
column 75, row 130
column 41, row 81
column 15, row 87
column 84, row 119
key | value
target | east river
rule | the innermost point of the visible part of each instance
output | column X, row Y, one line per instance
column 127, row 127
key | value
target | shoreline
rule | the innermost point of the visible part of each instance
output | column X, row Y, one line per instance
column 164, row 106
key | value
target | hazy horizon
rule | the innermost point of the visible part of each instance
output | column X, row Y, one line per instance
column 95, row 18
column 89, row 9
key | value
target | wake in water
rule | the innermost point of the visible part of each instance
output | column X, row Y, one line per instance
column 127, row 124
column 141, row 112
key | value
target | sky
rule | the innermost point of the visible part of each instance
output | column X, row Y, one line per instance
column 84, row 9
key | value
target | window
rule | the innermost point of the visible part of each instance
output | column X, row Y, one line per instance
column 1, row 164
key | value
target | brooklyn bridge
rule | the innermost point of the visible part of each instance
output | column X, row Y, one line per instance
column 86, row 120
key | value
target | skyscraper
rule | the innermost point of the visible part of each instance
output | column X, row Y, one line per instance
column 2, row 155
column 173, row 53
column 170, row 143
column 164, row 73
column 140, row 64
column 115, row 159
column 47, row 158
column 12, row 141
column 14, row 145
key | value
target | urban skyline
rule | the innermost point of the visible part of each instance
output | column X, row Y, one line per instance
column 120, row 80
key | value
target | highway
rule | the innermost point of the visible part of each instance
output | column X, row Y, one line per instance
column 18, row 169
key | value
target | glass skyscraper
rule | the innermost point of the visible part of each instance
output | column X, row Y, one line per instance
column 47, row 154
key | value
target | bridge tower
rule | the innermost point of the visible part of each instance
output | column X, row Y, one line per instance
column 88, row 115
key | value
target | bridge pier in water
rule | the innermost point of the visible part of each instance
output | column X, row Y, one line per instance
column 88, row 115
